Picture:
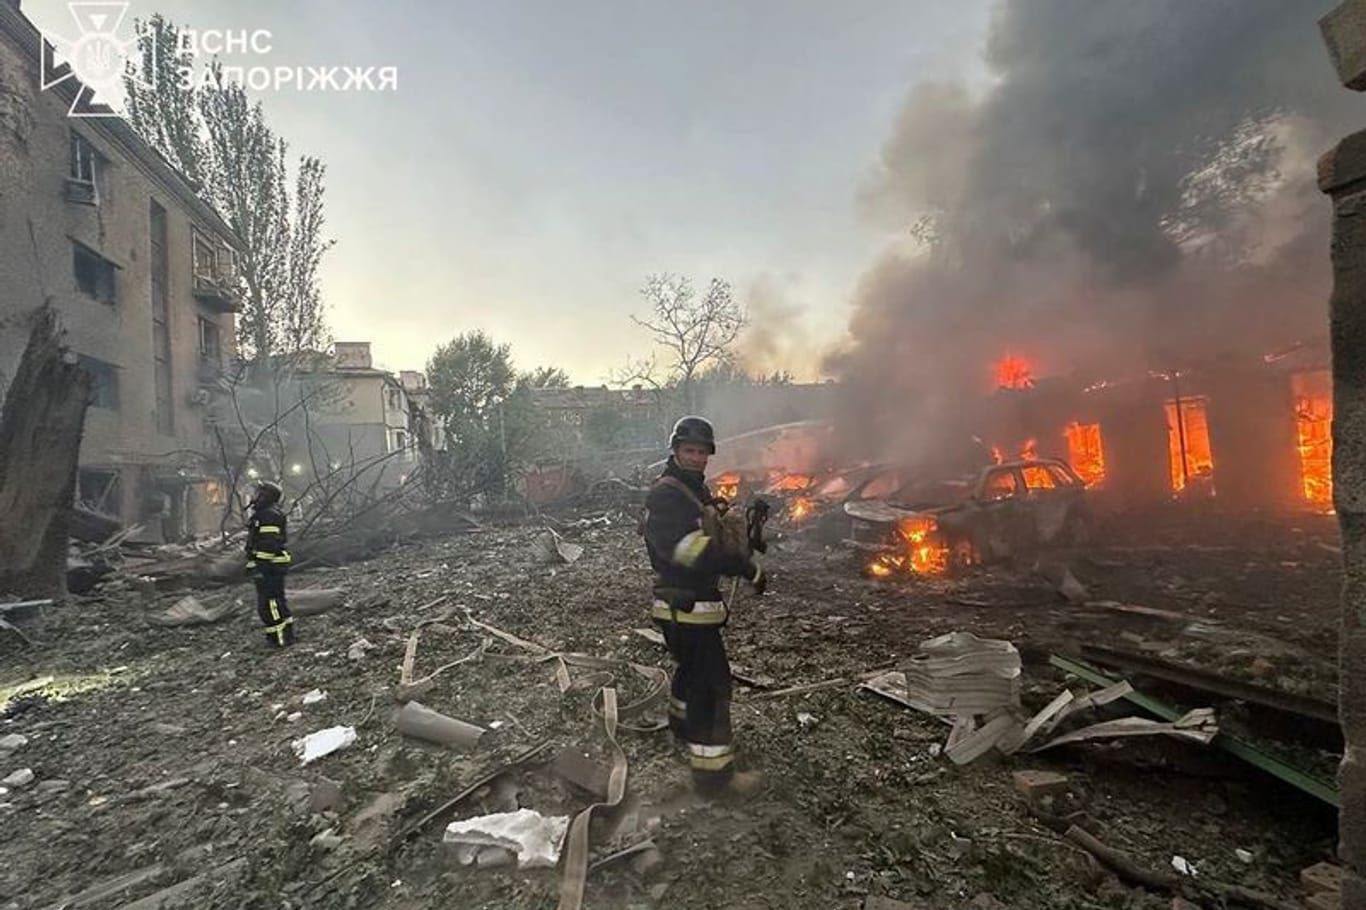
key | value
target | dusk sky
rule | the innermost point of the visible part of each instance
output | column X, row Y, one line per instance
column 539, row 158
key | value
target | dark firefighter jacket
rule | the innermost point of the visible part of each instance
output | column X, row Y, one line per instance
column 687, row 562
column 266, row 539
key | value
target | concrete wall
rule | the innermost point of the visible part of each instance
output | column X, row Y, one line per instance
column 38, row 226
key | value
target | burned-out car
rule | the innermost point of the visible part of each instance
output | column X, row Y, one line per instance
column 1008, row 508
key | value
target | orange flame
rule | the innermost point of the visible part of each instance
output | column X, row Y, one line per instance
column 728, row 486
column 800, row 509
column 1014, row 372
column 1029, row 451
column 924, row 553
column 996, row 454
column 791, row 483
column 1188, row 434
column 1086, row 452
column 1314, row 429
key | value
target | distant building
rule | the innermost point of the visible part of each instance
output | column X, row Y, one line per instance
column 140, row 270
column 371, row 418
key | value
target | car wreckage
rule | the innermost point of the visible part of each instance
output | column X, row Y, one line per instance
column 1005, row 510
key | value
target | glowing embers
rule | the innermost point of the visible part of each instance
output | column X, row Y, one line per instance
column 921, row 551
column 789, row 483
column 1314, row 435
column 800, row 509
column 1189, row 456
column 1014, row 372
column 1086, row 452
column 728, row 486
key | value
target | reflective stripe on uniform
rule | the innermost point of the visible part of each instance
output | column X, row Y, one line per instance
column 710, row 758
column 274, row 606
column 690, row 548
column 703, row 613
column 268, row 529
column 678, row 707
column 277, row 558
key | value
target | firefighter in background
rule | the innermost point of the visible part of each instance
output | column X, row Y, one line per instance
column 268, row 562
column 688, row 562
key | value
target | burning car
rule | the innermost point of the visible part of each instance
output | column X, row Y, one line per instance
column 930, row 526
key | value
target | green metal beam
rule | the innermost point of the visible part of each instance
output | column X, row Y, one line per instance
column 1237, row 747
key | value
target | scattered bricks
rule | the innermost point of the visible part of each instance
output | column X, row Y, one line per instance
column 325, row 797
column 1325, row 900
column 1322, row 877
column 582, row 772
column 1040, row 786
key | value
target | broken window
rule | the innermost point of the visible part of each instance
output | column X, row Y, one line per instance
column 205, row 259
column 210, row 340
column 1086, row 452
column 1190, row 457
column 1313, row 393
column 104, row 382
column 1036, row 477
column 1000, row 485
column 98, row 490
column 83, row 171
column 94, row 274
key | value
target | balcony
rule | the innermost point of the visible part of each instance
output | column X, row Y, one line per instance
column 217, row 291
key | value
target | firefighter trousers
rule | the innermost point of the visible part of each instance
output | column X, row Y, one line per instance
column 699, row 703
column 273, row 607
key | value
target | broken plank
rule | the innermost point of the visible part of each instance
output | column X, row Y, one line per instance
column 517, row 761
column 1237, row 747
column 1205, row 681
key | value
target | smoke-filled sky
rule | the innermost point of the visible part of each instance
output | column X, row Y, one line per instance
column 920, row 184
column 540, row 157
column 1133, row 190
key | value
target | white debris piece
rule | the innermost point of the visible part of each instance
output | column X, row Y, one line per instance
column 12, row 741
column 806, row 719
column 291, row 718
column 19, row 779
column 1244, row 856
column 534, row 837
column 358, row 649
column 1184, row 866
column 314, row 696
column 324, row 742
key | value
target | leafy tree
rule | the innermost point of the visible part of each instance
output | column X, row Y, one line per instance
column 221, row 142
column 493, row 427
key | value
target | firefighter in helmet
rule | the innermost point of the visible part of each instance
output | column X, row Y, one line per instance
column 688, row 607
column 268, row 562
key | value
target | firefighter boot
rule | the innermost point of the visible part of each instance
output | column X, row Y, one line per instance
column 741, row 785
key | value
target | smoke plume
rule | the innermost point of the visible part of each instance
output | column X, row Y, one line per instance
column 1135, row 188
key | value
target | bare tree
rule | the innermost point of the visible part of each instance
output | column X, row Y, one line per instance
column 695, row 331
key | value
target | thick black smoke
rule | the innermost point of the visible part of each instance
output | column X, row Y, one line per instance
column 1134, row 189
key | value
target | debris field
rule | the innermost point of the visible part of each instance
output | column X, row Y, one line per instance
column 154, row 765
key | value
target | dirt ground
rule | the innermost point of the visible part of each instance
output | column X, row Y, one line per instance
column 167, row 750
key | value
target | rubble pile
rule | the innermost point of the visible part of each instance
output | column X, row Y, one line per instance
column 448, row 697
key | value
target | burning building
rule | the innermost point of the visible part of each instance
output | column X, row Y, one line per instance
column 1254, row 433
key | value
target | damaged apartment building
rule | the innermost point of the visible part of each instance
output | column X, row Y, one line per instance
column 369, row 422
column 140, row 271
column 1246, row 433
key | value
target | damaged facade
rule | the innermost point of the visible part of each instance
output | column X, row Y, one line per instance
column 1250, row 434
column 138, row 267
